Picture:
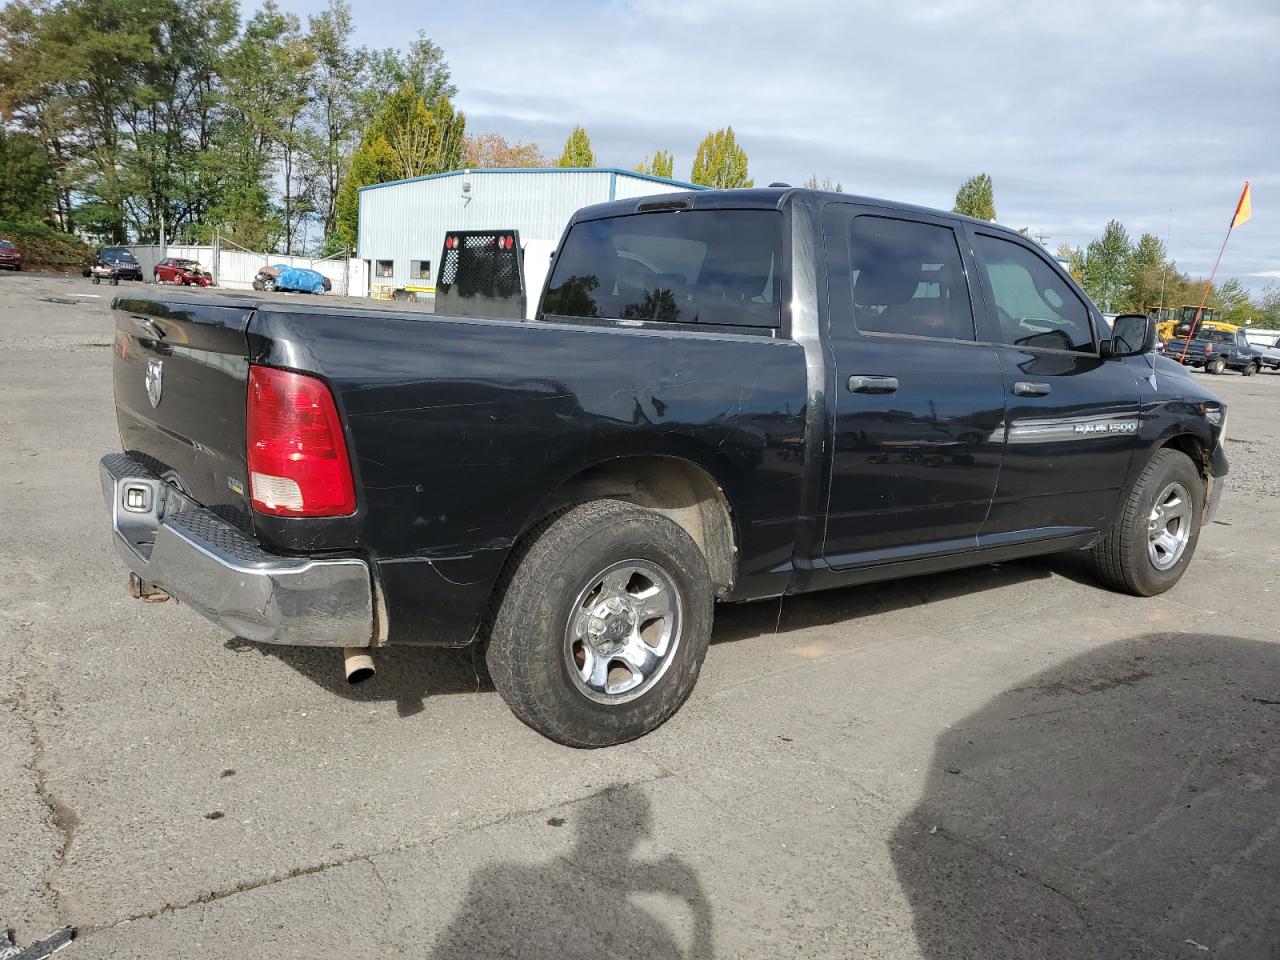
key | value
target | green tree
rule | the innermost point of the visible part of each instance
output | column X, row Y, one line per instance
column 407, row 138
column 976, row 198
column 1107, row 267
column 1072, row 255
column 1149, row 270
column 26, row 179
column 720, row 162
column 1268, row 306
column 577, row 150
column 663, row 165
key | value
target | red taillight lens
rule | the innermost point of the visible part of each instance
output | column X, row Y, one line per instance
column 1208, row 348
column 298, row 465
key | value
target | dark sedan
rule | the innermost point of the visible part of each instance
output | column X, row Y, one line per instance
column 10, row 255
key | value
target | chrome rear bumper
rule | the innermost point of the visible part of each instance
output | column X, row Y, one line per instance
column 170, row 541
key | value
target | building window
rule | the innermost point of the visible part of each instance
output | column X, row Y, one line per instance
column 384, row 268
column 420, row 269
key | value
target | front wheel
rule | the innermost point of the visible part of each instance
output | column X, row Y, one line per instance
column 1250, row 369
column 1148, row 547
column 602, row 626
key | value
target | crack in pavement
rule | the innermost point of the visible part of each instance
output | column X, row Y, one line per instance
column 62, row 818
column 248, row 886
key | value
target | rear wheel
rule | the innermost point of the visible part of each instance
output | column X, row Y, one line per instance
column 1149, row 545
column 603, row 625
column 1216, row 365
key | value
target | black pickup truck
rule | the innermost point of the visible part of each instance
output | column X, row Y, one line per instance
column 725, row 396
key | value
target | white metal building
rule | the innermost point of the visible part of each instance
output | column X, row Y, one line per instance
column 403, row 223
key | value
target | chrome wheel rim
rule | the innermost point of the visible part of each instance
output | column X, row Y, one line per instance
column 623, row 631
column 1169, row 526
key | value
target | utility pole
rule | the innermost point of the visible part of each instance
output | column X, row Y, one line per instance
column 1041, row 237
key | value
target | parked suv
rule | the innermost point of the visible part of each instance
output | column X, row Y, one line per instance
column 1216, row 351
column 120, row 260
column 10, row 255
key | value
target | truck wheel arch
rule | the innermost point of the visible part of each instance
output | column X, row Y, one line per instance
column 672, row 486
column 1195, row 448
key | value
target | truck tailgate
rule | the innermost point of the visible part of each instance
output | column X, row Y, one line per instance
column 181, row 373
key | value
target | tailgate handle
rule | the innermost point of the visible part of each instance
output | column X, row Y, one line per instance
column 865, row 384
column 1029, row 388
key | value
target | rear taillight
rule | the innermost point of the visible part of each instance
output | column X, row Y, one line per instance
column 298, row 465
column 1208, row 349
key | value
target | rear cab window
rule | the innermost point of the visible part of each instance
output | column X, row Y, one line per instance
column 704, row 267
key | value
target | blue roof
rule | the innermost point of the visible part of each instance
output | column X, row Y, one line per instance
column 617, row 171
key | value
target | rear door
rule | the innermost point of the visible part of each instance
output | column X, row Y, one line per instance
column 181, row 386
column 1071, row 416
column 920, row 396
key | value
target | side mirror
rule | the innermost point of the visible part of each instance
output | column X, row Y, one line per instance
column 1132, row 334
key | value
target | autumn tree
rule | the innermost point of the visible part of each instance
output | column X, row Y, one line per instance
column 662, row 165
column 494, row 151
column 976, row 198
column 577, row 150
column 720, row 162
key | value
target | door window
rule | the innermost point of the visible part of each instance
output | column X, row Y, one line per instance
column 1034, row 305
column 908, row 279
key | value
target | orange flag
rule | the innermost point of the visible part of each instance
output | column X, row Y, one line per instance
column 1244, row 209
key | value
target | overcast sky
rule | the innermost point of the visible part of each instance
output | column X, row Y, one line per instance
column 1080, row 111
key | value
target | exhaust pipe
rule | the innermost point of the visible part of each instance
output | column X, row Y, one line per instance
column 357, row 662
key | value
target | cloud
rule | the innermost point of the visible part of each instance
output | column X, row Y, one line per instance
column 1080, row 112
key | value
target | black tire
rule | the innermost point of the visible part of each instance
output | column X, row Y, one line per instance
column 1121, row 557
column 1216, row 365
column 529, row 647
column 1249, row 369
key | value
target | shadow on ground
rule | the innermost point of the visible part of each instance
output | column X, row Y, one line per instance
column 407, row 675
column 1122, row 804
column 584, row 904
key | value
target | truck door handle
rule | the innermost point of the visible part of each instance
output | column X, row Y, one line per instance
column 1028, row 388
column 862, row 384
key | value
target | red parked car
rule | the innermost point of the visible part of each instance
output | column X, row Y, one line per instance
column 10, row 255
column 183, row 272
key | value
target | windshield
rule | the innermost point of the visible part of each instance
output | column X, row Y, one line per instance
column 117, row 253
column 6, row 245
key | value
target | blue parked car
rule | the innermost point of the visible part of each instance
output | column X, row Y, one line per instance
column 283, row 277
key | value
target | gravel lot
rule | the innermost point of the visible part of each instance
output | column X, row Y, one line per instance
column 1007, row 762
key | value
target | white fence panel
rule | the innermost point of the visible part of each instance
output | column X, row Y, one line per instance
column 235, row 269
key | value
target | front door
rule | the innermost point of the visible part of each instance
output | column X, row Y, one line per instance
column 920, row 398
column 1072, row 416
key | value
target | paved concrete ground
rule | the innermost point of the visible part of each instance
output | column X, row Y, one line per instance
column 1001, row 763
